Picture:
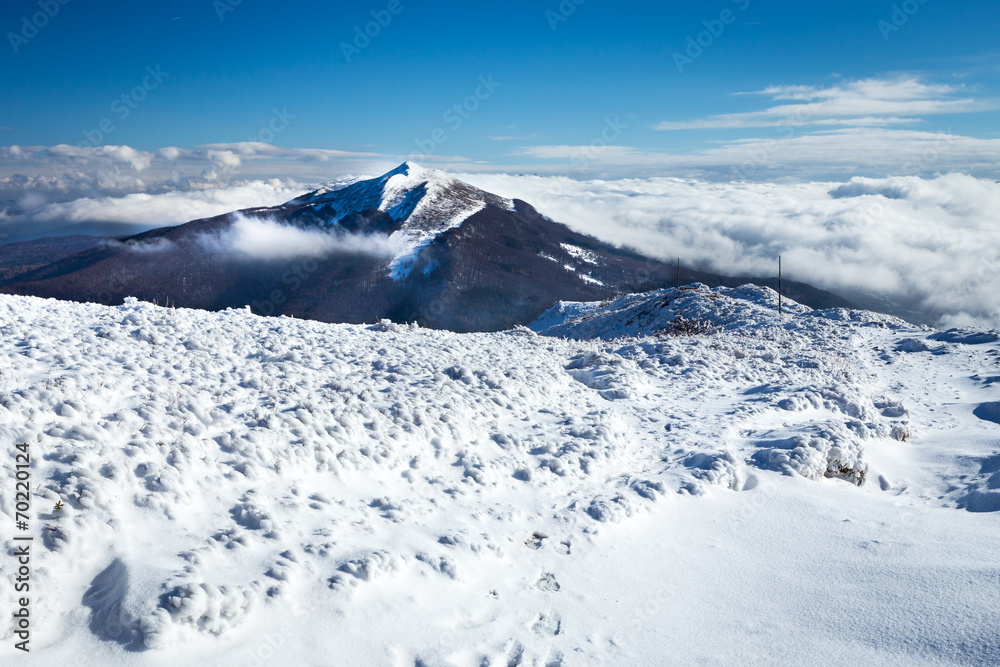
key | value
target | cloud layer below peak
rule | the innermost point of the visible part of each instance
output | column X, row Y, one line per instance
column 929, row 246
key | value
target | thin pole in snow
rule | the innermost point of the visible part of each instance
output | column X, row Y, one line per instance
column 779, row 284
column 678, row 273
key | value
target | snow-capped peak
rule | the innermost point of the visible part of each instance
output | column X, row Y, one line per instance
column 425, row 202
column 409, row 176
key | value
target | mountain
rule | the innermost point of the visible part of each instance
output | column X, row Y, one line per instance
column 20, row 257
column 414, row 245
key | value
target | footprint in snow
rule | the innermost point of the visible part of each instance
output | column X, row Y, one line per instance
column 515, row 656
column 547, row 582
column 536, row 540
column 547, row 624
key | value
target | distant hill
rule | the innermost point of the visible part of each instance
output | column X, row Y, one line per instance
column 19, row 258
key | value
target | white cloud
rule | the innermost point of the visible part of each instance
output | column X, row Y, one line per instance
column 835, row 153
column 147, row 247
column 931, row 245
column 266, row 239
column 115, row 155
column 66, row 172
column 508, row 137
column 154, row 210
column 169, row 153
column 864, row 102
column 224, row 159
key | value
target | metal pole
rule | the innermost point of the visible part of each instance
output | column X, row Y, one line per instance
column 779, row 284
column 678, row 273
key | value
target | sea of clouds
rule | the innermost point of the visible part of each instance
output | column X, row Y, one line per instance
column 928, row 247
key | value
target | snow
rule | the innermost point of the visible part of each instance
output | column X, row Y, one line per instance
column 428, row 203
column 677, row 477
column 579, row 253
column 650, row 313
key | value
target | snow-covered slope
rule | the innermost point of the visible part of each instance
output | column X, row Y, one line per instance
column 426, row 203
column 818, row 488
column 694, row 308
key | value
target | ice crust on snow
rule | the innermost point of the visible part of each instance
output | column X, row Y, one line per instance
column 221, row 470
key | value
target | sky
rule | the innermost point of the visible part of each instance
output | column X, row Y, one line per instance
column 845, row 135
column 581, row 87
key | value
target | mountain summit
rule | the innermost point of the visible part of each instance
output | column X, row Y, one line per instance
column 414, row 244
column 423, row 204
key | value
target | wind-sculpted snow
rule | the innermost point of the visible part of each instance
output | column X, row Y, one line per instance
column 408, row 496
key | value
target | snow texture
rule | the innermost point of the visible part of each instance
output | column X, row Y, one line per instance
column 677, row 477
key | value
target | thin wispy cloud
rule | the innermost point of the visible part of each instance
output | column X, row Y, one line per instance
column 824, row 153
column 875, row 101
column 507, row 137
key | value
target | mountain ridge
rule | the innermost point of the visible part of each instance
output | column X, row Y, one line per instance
column 462, row 259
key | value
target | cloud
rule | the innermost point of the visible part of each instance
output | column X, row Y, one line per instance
column 224, row 159
column 826, row 154
column 928, row 244
column 115, row 155
column 875, row 101
column 505, row 137
column 931, row 246
column 580, row 153
column 869, row 127
column 146, row 247
column 67, row 172
column 266, row 239
column 169, row 153
column 141, row 210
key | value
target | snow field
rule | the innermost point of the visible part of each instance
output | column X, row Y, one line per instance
column 244, row 490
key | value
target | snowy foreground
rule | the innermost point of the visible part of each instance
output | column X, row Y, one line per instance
column 725, row 486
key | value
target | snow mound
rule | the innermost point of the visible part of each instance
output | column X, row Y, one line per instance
column 832, row 452
column 692, row 309
column 967, row 336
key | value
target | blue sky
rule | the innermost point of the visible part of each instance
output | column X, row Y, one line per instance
column 844, row 135
column 570, row 76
